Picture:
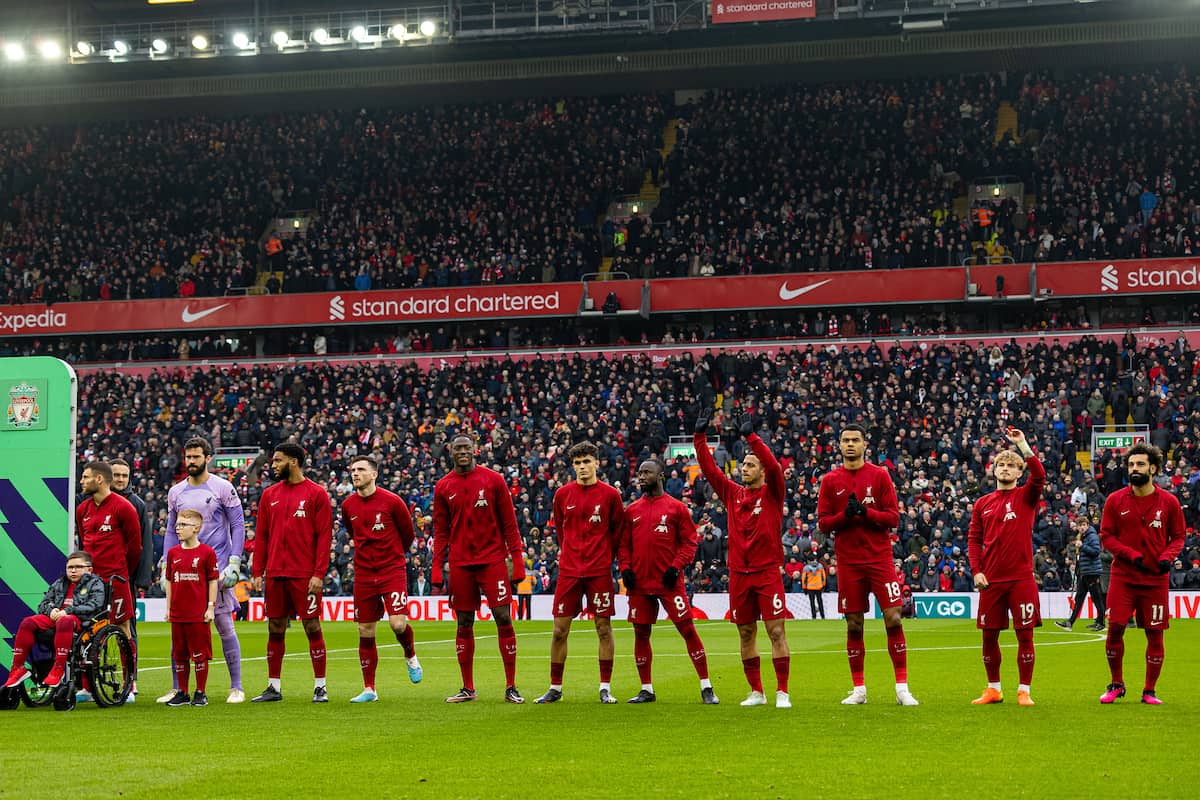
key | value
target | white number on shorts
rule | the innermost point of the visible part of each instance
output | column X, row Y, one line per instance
column 395, row 598
column 777, row 602
column 502, row 591
column 119, row 604
column 1026, row 613
column 602, row 600
column 893, row 590
column 680, row 603
column 1157, row 614
column 312, row 604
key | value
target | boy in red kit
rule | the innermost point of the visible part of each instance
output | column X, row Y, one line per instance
column 588, row 517
column 755, row 527
column 294, row 532
column 381, row 528
column 475, row 528
column 191, row 585
column 1143, row 527
column 658, row 540
column 1000, row 548
column 857, row 505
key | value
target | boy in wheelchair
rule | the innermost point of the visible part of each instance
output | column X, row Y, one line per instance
column 71, row 603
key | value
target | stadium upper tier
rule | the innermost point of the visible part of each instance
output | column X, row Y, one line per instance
column 787, row 179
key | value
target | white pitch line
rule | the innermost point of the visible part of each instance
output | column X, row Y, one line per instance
column 1091, row 639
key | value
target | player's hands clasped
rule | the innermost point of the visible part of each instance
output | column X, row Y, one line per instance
column 1164, row 567
column 670, row 577
column 854, row 508
column 981, row 581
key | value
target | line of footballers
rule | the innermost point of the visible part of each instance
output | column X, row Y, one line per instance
column 652, row 541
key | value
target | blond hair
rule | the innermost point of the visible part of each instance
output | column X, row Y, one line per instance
column 1008, row 455
column 190, row 513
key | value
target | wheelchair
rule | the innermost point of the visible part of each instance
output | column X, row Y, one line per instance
column 100, row 652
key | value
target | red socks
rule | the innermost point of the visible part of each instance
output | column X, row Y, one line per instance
column 606, row 667
column 753, row 669
column 368, row 659
column 695, row 647
column 898, row 650
column 856, row 655
column 275, row 649
column 508, row 652
column 1025, row 656
column 405, row 638
column 201, row 675
column 1114, row 649
column 643, row 656
column 464, row 646
column 316, row 652
column 992, row 655
column 1154, row 658
column 783, row 668
column 556, row 672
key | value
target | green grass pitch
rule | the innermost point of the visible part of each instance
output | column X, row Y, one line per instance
column 412, row 745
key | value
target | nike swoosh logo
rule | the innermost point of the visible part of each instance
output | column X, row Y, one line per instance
column 188, row 316
column 274, row 503
column 637, row 519
column 841, row 492
column 791, row 294
column 1123, row 513
column 570, row 507
column 990, row 510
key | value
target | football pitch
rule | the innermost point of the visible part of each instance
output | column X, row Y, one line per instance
column 412, row 745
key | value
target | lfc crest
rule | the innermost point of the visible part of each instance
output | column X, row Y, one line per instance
column 23, row 409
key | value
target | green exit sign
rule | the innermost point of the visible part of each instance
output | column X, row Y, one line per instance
column 1118, row 441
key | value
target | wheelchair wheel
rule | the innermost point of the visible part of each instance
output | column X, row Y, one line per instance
column 34, row 695
column 63, row 697
column 111, row 666
column 9, row 699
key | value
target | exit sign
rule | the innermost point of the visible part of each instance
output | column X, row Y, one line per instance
column 1118, row 441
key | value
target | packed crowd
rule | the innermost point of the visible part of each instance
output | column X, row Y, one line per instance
column 475, row 336
column 439, row 196
column 798, row 178
column 936, row 417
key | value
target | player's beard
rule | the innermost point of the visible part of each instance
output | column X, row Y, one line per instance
column 1139, row 478
column 195, row 470
column 283, row 473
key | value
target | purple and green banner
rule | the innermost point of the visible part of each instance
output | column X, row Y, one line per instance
column 37, row 485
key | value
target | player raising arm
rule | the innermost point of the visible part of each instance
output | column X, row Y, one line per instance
column 475, row 528
column 1000, row 548
column 1143, row 527
column 755, row 512
column 381, row 527
column 857, row 505
column 588, row 517
column 658, row 540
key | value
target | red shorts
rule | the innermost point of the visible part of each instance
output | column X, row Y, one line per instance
column 643, row 608
column 756, row 595
column 121, row 606
column 375, row 597
column 857, row 581
column 469, row 584
column 1150, row 603
column 289, row 597
column 191, row 641
column 570, row 593
column 1018, row 598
